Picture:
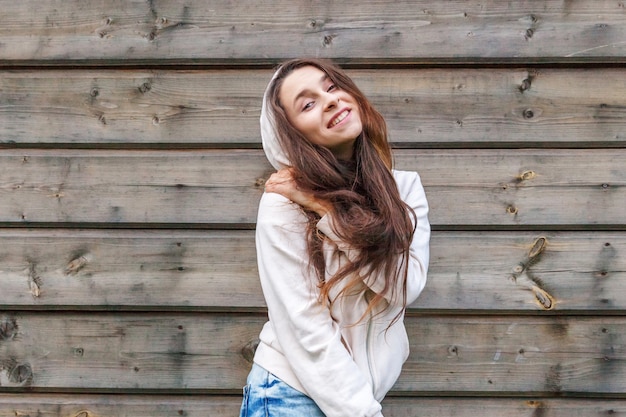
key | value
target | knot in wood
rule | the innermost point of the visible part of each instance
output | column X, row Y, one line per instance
column 34, row 281
column 530, row 20
column 453, row 351
column 76, row 265
column 328, row 39
column 538, row 246
column 35, row 290
column 21, row 374
column 248, row 350
column 145, row 87
column 529, row 33
column 527, row 175
column 316, row 24
column 545, row 300
column 528, row 114
column 83, row 413
column 519, row 268
column 8, row 328
column 534, row 404
column 511, row 210
column 525, row 85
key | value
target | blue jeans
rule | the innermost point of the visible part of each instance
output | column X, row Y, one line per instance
column 267, row 396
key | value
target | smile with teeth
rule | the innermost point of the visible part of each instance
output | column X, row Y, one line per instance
column 339, row 118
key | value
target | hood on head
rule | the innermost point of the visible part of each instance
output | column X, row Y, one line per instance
column 271, row 144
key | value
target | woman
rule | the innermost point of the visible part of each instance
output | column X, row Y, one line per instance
column 342, row 246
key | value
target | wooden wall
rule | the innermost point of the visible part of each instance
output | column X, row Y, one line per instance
column 131, row 169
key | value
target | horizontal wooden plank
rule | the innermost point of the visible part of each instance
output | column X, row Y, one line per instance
column 12, row 405
column 216, row 270
column 132, row 186
column 498, row 407
column 464, row 187
column 443, row 106
column 207, row 353
column 155, row 269
column 224, row 30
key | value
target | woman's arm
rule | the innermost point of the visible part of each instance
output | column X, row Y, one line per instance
column 307, row 335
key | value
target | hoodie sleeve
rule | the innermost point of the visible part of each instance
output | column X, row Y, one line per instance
column 307, row 335
column 412, row 192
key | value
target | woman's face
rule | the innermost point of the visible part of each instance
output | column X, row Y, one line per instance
column 323, row 113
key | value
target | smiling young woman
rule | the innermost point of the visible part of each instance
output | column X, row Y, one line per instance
column 327, row 115
column 342, row 246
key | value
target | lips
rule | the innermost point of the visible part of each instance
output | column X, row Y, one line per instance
column 338, row 118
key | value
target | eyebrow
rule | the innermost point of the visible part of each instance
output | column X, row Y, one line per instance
column 306, row 90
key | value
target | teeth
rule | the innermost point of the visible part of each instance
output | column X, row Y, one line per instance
column 339, row 118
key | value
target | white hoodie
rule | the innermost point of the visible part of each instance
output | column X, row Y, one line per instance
column 345, row 365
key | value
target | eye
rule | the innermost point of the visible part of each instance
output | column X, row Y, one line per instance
column 331, row 87
column 307, row 105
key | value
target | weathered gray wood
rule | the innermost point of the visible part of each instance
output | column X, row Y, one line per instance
column 137, row 351
column 122, row 186
column 497, row 407
column 171, row 269
column 199, row 287
column 216, row 270
column 131, row 106
column 525, row 272
column 515, row 354
column 225, row 30
column 440, row 106
column 174, row 352
column 60, row 405
column 21, row 405
column 464, row 187
column 545, row 187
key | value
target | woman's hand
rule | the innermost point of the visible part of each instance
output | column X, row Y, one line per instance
column 283, row 183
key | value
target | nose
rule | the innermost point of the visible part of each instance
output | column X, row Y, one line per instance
column 331, row 101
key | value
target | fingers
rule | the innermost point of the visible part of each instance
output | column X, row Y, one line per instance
column 281, row 182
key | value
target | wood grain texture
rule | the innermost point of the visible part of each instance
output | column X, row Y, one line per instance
column 519, row 187
column 439, row 107
column 216, row 271
column 227, row 31
column 130, row 174
column 206, row 353
column 12, row 405
column 122, row 186
column 498, row 407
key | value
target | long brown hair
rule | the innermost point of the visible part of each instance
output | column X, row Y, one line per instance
column 367, row 210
